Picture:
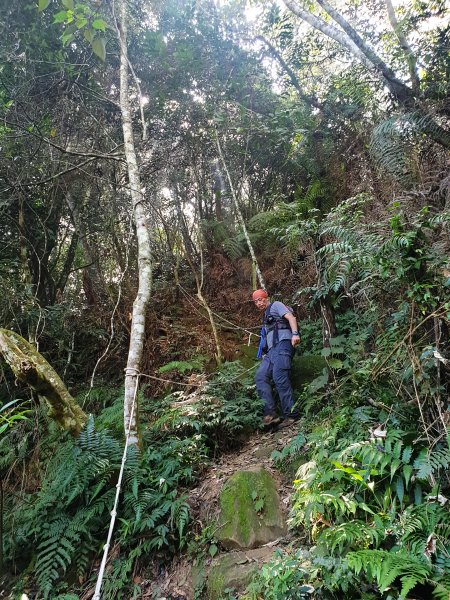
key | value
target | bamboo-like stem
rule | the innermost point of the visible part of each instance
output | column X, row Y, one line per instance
column 137, row 334
column 239, row 215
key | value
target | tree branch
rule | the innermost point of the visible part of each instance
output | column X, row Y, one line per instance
column 410, row 57
column 350, row 39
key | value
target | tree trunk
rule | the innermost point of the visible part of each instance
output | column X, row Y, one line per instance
column 93, row 283
column 137, row 334
column 409, row 54
column 31, row 367
column 352, row 41
column 192, row 258
column 329, row 329
column 240, row 217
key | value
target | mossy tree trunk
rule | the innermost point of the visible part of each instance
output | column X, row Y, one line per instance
column 30, row 367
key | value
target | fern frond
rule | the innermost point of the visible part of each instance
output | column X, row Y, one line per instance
column 441, row 589
column 234, row 247
column 385, row 567
column 349, row 535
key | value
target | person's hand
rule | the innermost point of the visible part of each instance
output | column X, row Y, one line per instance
column 295, row 339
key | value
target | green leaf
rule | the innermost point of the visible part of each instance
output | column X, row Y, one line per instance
column 99, row 47
column 365, row 507
column 68, row 4
column 335, row 363
column 394, row 466
column 337, row 350
column 89, row 35
column 60, row 16
column 418, row 494
column 259, row 504
column 99, row 24
column 213, row 550
column 407, row 471
column 400, row 489
column 43, row 5
column 66, row 38
column 81, row 22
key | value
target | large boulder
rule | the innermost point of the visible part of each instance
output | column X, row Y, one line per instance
column 234, row 571
column 250, row 514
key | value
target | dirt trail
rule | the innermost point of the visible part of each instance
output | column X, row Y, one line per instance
column 175, row 583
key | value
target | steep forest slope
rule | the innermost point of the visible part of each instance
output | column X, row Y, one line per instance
column 159, row 161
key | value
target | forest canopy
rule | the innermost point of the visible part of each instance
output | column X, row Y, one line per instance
column 159, row 160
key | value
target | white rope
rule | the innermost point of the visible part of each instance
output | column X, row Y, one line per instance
column 101, row 572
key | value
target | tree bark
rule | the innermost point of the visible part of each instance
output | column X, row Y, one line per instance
column 31, row 367
column 397, row 87
column 409, row 54
column 137, row 334
column 93, row 282
column 240, row 217
column 330, row 31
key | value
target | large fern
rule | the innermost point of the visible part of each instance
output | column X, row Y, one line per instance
column 385, row 567
column 394, row 141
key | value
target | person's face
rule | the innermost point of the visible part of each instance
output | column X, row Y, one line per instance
column 261, row 303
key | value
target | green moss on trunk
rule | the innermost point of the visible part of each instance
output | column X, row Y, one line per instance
column 30, row 367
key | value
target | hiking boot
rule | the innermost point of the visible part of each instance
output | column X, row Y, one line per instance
column 270, row 420
column 286, row 423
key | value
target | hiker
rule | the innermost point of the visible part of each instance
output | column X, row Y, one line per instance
column 279, row 335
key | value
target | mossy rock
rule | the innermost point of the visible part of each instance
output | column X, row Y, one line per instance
column 234, row 571
column 250, row 513
column 247, row 354
column 305, row 369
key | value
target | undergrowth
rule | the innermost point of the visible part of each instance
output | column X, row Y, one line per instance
column 57, row 524
column 372, row 486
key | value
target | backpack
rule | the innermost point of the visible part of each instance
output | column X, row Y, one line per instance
column 271, row 323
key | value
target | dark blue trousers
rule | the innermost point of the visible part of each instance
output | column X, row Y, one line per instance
column 275, row 368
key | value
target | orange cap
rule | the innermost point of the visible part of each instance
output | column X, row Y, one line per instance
column 259, row 294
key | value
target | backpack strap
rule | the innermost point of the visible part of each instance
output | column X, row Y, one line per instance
column 276, row 324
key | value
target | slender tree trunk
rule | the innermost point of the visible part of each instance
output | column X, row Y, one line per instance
column 329, row 329
column 192, row 257
column 137, row 334
column 274, row 52
column 25, row 269
column 240, row 217
column 409, row 54
column 93, row 282
column 217, row 191
column 200, row 296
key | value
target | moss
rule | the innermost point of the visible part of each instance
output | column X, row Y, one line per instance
column 240, row 524
column 229, row 572
column 305, row 369
column 234, row 499
column 247, row 354
column 216, row 581
column 31, row 367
